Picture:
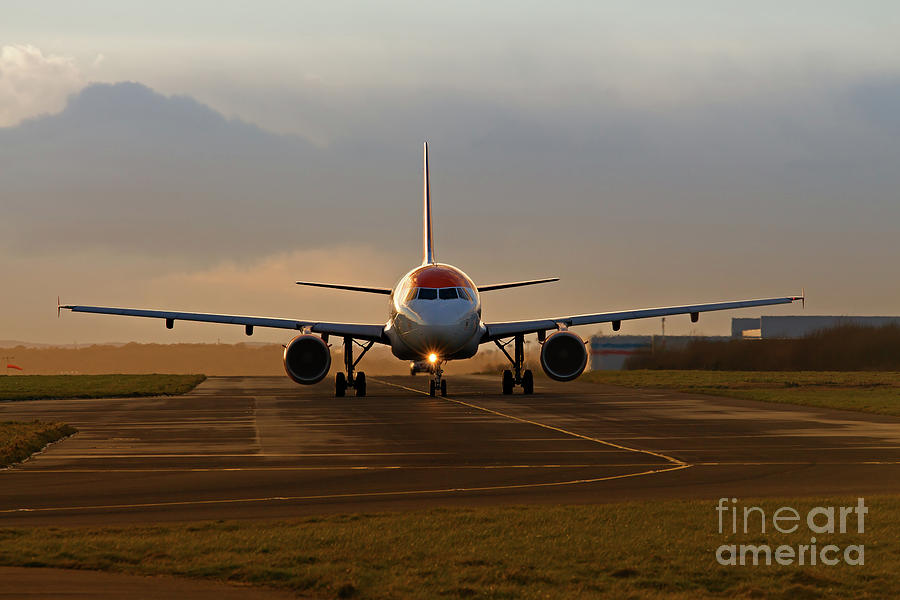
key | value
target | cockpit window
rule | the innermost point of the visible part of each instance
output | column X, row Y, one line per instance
column 452, row 293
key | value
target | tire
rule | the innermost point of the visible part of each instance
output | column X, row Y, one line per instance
column 360, row 384
column 431, row 388
column 443, row 387
column 507, row 382
column 340, row 385
column 528, row 382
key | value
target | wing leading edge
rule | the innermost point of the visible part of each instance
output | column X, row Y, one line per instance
column 502, row 330
column 359, row 331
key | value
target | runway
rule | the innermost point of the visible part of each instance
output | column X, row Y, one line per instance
column 268, row 448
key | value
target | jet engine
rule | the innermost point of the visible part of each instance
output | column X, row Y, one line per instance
column 563, row 356
column 307, row 359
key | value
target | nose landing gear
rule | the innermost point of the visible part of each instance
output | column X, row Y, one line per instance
column 510, row 380
column 437, row 383
column 357, row 382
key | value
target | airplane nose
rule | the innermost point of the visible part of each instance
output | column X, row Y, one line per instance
column 446, row 333
column 447, row 337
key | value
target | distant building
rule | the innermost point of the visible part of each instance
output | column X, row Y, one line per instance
column 799, row 326
column 609, row 352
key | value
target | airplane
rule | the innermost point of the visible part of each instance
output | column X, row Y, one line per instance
column 435, row 316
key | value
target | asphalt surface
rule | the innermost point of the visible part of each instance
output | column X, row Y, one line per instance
column 267, row 448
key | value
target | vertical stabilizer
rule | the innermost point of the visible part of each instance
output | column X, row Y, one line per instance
column 427, row 237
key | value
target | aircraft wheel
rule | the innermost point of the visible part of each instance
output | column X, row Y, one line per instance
column 431, row 388
column 507, row 382
column 340, row 385
column 528, row 382
column 360, row 384
column 443, row 387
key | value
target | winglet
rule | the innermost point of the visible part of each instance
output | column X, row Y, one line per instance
column 58, row 307
column 803, row 297
column 427, row 239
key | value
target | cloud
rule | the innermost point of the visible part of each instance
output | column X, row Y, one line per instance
column 32, row 84
column 123, row 166
column 632, row 207
column 878, row 102
column 128, row 169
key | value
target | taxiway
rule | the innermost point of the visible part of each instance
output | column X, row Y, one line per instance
column 253, row 447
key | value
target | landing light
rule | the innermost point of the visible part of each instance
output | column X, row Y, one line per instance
column 432, row 358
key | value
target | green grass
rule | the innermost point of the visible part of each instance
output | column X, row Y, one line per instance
column 868, row 391
column 651, row 550
column 34, row 387
column 18, row 441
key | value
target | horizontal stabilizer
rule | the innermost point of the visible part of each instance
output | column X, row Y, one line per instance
column 354, row 288
column 503, row 286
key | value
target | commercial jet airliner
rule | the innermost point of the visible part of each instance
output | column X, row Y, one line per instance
column 435, row 316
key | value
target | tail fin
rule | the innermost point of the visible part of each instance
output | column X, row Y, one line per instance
column 427, row 238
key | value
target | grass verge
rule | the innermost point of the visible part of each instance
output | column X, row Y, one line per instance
column 664, row 549
column 18, row 441
column 867, row 391
column 34, row 387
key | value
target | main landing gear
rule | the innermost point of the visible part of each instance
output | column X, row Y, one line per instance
column 510, row 380
column 357, row 382
column 437, row 382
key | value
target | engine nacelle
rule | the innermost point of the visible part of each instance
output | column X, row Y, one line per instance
column 563, row 356
column 307, row 359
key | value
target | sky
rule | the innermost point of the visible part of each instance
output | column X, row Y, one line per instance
column 205, row 155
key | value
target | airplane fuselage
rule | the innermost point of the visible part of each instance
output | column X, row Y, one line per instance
column 435, row 309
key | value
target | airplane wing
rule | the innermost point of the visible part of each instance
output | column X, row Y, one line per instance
column 510, row 328
column 373, row 333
